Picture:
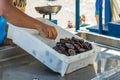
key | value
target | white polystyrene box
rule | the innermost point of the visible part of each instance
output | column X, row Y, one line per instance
column 41, row 48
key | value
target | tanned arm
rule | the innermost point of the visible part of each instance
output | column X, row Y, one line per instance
column 18, row 18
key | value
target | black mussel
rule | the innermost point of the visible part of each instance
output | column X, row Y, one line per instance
column 73, row 38
column 82, row 50
column 58, row 44
column 62, row 41
column 62, row 47
column 80, row 44
column 71, row 52
column 81, row 41
column 69, row 46
column 66, row 53
column 77, row 47
column 58, row 49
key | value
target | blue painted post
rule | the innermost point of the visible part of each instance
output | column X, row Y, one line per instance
column 107, row 11
column 77, row 22
column 100, row 16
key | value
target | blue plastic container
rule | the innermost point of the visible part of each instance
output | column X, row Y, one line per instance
column 2, row 29
column 54, row 21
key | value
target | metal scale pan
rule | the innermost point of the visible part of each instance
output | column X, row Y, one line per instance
column 48, row 10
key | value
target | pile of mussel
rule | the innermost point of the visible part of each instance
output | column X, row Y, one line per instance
column 72, row 46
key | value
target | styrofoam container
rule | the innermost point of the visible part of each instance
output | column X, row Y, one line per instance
column 42, row 49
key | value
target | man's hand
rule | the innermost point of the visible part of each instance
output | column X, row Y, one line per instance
column 7, row 42
column 47, row 31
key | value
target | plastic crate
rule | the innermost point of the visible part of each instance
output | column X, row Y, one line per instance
column 42, row 49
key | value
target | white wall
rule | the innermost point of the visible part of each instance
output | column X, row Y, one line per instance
column 66, row 13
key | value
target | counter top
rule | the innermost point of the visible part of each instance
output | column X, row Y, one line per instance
column 28, row 68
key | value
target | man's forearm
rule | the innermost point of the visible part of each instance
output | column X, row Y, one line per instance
column 18, row 18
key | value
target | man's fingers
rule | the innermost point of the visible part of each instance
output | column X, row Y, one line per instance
column 49, row 32
column 50, row 35
column 44, row 33
column 54, row 33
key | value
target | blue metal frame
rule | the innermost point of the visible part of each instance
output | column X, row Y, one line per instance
column 112, row 28
column 100, row 16
column 107, row 14
column 77, row 22
column 107, row 11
